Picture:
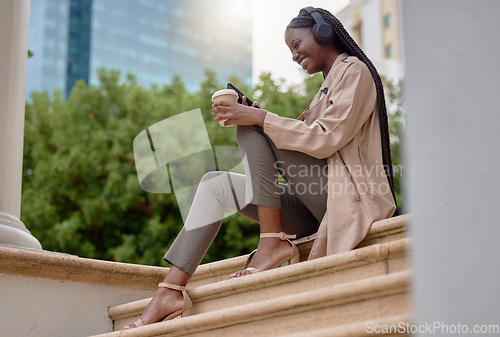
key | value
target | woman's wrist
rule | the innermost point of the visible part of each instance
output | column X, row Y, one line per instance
column 260, row 116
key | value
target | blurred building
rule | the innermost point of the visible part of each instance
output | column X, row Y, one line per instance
column 153, row 40
column 375, row 26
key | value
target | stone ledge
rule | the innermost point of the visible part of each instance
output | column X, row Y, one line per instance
column 359, row 329
column 59, row 266
column 389, row 226
column 265, row 313
column 379, row 229
column 220, row 270
column 302, row 271
column 278, row 277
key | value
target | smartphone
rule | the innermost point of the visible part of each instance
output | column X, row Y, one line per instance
column 240, row 95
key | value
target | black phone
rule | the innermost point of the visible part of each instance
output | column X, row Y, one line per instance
column 240, row 95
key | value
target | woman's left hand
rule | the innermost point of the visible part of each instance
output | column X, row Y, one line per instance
column 238, row 114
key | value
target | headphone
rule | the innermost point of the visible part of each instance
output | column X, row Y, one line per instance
column 322, row 31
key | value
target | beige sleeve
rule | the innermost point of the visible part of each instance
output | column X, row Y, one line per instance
column 351, row 103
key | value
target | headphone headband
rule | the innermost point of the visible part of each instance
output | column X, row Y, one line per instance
column 322, row 31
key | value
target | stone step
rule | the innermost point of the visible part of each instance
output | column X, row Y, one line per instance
column 374, row 260
column 98, row 285
column 371, row 298
column 381, row 231
column 393, row 326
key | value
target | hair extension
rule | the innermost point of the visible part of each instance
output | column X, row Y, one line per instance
column 344, row 43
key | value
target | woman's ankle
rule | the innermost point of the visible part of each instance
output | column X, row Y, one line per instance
column 272, row 243
column 177, row 276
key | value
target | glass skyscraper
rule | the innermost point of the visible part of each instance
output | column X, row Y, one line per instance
column 152, row 39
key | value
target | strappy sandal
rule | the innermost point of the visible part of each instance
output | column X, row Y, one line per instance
column 186, row 310
column 293, row 258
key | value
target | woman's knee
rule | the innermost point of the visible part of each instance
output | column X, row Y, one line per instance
column 243, row 132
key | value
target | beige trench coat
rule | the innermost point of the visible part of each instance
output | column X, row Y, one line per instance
column 342, row 125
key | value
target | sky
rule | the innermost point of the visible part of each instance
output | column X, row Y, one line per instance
column 270, row 53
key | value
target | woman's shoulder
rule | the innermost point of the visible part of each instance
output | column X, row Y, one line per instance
column 352, row 63
column 348, row 67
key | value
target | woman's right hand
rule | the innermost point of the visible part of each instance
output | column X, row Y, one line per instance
column 238, row 114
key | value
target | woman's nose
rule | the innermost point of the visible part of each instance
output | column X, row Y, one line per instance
column 295, row 56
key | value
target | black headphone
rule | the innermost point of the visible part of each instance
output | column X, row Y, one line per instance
column 322, row 31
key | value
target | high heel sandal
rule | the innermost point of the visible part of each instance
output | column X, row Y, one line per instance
column 294, row 256
column 186, row 310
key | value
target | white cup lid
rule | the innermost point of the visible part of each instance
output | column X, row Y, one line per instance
column 224, row 92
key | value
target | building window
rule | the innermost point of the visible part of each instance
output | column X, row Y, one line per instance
column 388, row 51
column 387, row 20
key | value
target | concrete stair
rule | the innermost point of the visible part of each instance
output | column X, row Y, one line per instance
column 332, row 296
column 388, row 327
column 381, row 231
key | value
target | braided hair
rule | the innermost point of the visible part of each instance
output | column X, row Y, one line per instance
column 344, row 43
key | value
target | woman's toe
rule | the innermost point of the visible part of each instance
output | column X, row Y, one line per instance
column 238, row 274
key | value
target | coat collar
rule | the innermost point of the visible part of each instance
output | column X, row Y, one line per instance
column 329, row 78
column 326, row 86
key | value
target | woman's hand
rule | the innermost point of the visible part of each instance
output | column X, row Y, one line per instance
column 238, row 114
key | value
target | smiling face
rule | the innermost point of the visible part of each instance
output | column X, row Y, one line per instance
column 310, row 55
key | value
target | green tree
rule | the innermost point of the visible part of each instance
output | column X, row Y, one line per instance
column 395, row 113
column 80, row 191
column 286, row 101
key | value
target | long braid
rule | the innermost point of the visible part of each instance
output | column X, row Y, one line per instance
column 344, row 43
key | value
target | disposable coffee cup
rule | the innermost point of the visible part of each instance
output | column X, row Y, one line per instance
column 228, row 95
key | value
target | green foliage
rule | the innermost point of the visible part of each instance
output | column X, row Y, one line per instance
column 288, row 102
column 81, row 193
column 395, row 113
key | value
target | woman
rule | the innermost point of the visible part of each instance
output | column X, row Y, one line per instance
column 335, row 159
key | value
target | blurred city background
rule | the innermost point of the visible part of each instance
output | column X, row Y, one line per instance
column 157, row 39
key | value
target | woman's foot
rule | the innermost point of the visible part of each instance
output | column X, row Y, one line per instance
column 271, row 250
column 164, row 302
